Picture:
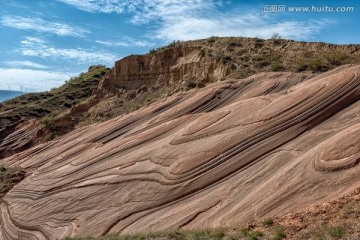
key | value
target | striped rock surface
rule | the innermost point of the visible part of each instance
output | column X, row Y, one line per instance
column 218, row 156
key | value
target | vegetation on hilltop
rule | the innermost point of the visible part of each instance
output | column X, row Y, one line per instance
column 47, row 105
column 252, row 55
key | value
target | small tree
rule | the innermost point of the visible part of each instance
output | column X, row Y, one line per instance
column 152, row 51
column 275, row 36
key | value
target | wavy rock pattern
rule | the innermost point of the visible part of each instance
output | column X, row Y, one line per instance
column 227, row 153
column 17, row 137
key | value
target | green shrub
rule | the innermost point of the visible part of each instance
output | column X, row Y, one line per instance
column 262, row 63
column 336, row 232
column 233, row 43
column 173, row 43
column 301, row 67
column 259, row 42
column 211, row 39
column 47, row 120
column 316, row 65
column 190, row 84
column 200, row 84
column 275, row 36
column 336, row 58
column 277, row 66
column 67, row 105
column 255, row 235
column 279, row 233
column 202, row 53
column 268, row 222
column 226, row 59
column 152, row 51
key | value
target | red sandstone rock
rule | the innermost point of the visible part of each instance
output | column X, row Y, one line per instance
column 218, row 156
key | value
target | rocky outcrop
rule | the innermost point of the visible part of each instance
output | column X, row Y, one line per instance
column 230, row 152
column 175, row 64
column 18, row 137
column 213, row 59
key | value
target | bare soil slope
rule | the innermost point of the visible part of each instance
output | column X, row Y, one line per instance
column 218, row 156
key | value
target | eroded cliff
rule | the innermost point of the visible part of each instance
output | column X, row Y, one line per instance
column 171, row 65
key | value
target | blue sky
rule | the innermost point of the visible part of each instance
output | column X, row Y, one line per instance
column 44, row 42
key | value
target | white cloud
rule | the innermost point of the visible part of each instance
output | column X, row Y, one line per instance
column 37, row 47
column 103, row 6
column 193, row 19
column 186, row 20
column 166, row 10
column 15, row 5
column 19, row 64
column 43, row 26
column 247, row 25
column 113, row 43
column 30, row 79
column 125, row 42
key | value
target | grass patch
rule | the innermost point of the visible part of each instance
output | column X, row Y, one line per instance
column 248, row 234
column 254, row 235
column 268, row 222
column 336, row 58
column 279, row 233
column 216, row 234
column 336, row 232
column 277, row 66
column 317, row 65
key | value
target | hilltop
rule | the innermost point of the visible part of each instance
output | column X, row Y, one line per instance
column 196, row 135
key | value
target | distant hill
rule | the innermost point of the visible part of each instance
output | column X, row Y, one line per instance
column 6, row 94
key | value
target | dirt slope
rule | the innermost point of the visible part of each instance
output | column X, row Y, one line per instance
column 218, row 156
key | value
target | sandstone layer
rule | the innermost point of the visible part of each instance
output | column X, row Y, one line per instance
column 175, row 64
column 213, row 59
column 218, row 156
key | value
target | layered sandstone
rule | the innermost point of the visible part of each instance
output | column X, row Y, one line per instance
column 175, row 64
column 230, row 152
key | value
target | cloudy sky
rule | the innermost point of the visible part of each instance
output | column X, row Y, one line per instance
column 44, row 42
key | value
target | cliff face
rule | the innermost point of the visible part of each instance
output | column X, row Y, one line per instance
column 170, row 65
column 210, row 60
